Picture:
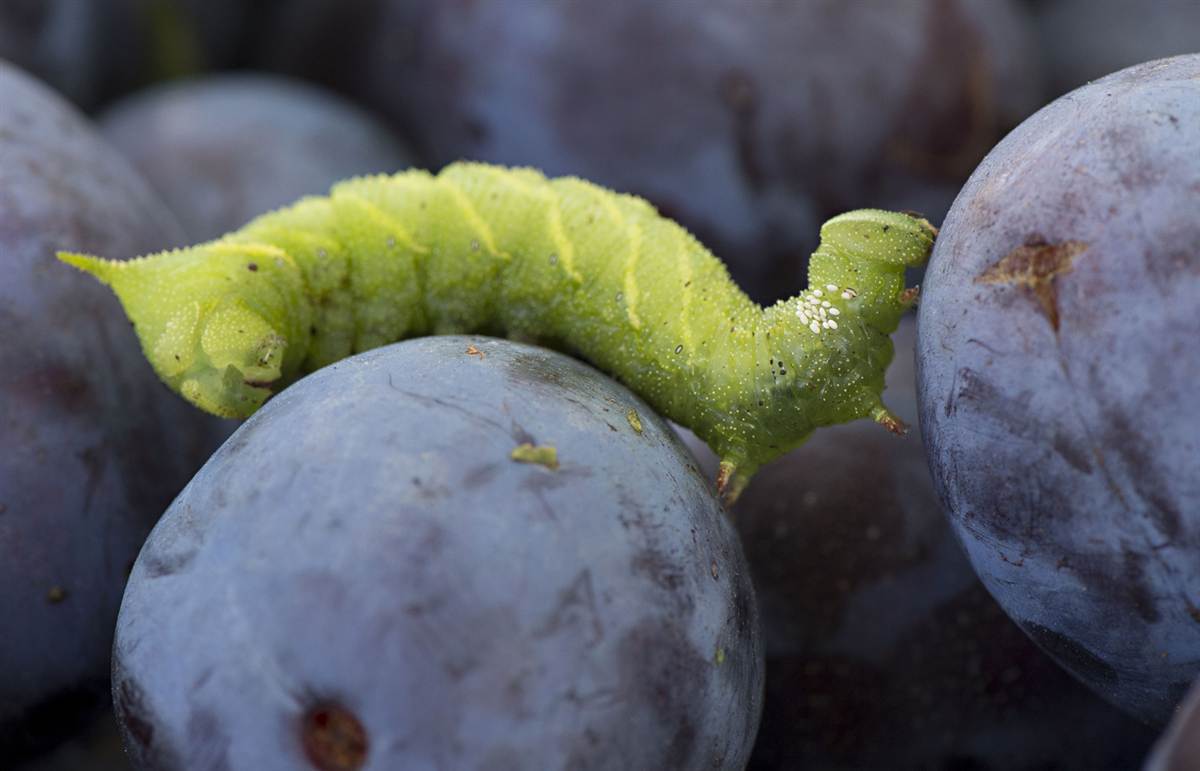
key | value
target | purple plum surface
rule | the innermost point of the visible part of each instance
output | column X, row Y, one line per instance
column 748, row 124
column 223, row 149
column 96, row 50
column 1179, row 747
column 1058, row 357
column 85, row 51
column 883, row 650
column 365, row 576
column 94, row 446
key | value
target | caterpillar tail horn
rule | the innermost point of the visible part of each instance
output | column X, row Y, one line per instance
column 222, row 351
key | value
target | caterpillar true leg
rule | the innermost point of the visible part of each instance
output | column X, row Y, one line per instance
column 480, row 248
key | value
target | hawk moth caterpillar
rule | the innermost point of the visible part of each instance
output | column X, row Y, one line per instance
column 562, row 262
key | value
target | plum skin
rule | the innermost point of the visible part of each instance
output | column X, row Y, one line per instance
column 365, row 543
column 1057, row 361
column 1178, row 749
column 86, row 465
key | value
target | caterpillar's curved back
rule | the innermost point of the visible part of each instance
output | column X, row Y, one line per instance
column 481, row 248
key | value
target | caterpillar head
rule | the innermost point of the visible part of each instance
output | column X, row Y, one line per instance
column 830, row 345
column 224, row 324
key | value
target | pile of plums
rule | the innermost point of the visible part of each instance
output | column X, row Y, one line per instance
column 361, row 576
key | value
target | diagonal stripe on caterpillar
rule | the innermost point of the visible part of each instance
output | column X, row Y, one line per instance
column 481, row 248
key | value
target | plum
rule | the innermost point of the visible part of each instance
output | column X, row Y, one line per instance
column 1058, row 356
column 94, row 447
column 1179, row 747
column 1082, row 40
column 92, row 51
column 224, row 149
column 387, row 567
column 84, row 50
column 748, row 125
column 883, row 650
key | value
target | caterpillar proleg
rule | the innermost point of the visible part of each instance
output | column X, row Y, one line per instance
column 481, row 248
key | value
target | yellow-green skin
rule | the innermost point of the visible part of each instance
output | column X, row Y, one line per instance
column 561, row 262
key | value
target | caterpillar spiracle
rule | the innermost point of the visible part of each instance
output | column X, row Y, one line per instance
column 563, row 262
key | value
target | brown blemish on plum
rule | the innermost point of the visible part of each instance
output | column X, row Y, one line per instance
column 1035, row 266
column 333, row 738
column 57, row 383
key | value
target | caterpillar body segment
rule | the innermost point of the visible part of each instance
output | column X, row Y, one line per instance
column 480, row 248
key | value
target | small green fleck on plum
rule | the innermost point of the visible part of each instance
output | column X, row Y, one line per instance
column 541, row 454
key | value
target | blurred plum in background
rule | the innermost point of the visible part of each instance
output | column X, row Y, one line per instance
column 94, row 50
column 748, row 127
column 86, row 51
column 223, row 149
column 1179, row 747
column 94, row 446
column 883, row 649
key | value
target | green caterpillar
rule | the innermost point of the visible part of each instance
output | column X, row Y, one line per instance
column 562, row 262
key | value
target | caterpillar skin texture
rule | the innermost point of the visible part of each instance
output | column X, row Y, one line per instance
column 561, row 262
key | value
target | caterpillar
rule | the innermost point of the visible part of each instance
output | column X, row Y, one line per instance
column 561, row 262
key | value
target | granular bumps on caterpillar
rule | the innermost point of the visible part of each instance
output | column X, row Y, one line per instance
column 480, row 248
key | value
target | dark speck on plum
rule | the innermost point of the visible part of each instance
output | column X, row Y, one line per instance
column 333, row 738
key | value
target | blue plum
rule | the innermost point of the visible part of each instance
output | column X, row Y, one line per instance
column 1179, row 747
column 1058, row 356
column 223, row 149
column 883, row 650
column 93, row 445
column 94, row 51
column 365, row 576
column 83, row 50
